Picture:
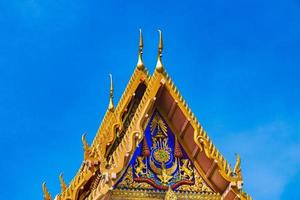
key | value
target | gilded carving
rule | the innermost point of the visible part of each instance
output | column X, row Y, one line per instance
column 199, row 186
column 162, row 166
column 140, row 167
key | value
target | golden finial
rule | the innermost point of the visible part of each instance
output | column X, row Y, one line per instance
column 47, row 195
column 62, row 182
column 111, row 95
column 237, row 166
column 140, row 64
column 159, row 66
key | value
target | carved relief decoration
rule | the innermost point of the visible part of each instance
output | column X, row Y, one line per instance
column 159, row 163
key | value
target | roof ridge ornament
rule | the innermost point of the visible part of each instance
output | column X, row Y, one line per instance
column 111, row 95
column 140, row 64
column 159, row 66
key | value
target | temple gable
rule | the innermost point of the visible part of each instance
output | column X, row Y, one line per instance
column 151, row 146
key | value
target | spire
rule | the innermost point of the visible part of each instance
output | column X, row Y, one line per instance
column 62, row 182
column 47, row 196
column 159, row 65
column 140, row 64
column 111, row 95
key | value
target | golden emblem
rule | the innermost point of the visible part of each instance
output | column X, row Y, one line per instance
column 164, row 174
column 161, row 155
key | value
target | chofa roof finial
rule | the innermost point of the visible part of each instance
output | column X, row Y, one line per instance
column 159, row 65
column 111, row 95
column 140, row 64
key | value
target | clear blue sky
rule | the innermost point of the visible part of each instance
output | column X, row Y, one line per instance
column 237, row 64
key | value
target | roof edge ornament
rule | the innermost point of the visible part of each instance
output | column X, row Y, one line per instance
column 140, row 64
column 62, row 182
column 47, row 195
column 159, row 66
column 237, row 167
column 84, row 142
column 111, row 106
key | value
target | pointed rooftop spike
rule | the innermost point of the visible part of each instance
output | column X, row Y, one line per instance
column 159, row 66
column 160, row 45
column 141, row 45
column 47, row 195
column 140, row 64
column 62, row 182
column 111, row 95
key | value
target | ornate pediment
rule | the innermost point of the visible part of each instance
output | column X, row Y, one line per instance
column 160, row 163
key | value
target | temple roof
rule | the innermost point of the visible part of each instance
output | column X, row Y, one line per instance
column 123, row 129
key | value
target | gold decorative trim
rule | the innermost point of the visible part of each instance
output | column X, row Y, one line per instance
column 199, row 186
column 118, row 194
column 170, row 195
